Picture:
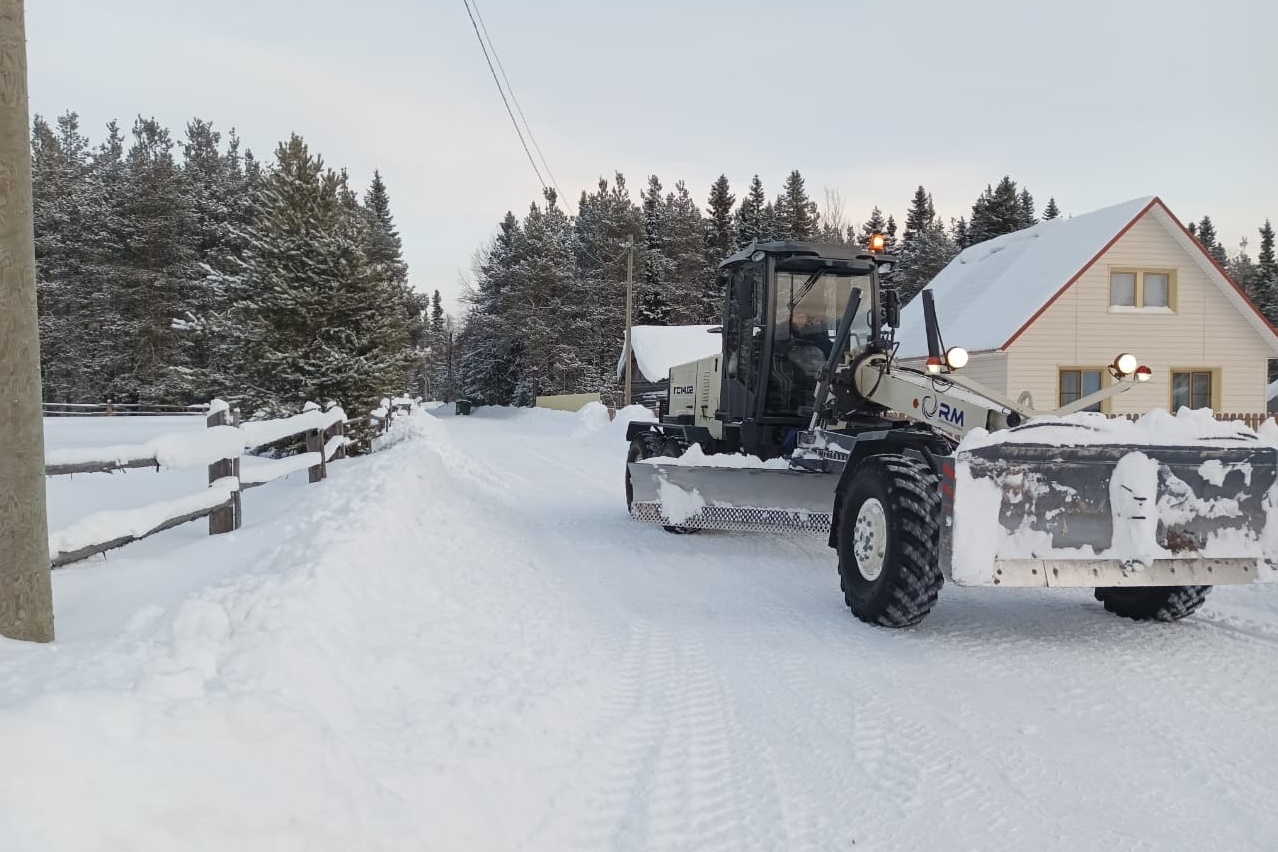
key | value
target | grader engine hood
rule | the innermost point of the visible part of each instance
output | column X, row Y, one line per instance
column 1089, row 502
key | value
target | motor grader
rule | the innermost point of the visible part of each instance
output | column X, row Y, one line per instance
column 806, row 422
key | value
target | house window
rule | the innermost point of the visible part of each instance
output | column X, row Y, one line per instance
column 1145, row 289
column 1075, row 383
column 1192, row 389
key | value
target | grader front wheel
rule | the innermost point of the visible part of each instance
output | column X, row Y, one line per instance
column 889, row 533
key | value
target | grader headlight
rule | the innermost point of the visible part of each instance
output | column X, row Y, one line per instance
column 956, row 357
column 1126, row 364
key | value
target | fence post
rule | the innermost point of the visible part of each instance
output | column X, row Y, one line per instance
column 315, row 444
column 226, row 519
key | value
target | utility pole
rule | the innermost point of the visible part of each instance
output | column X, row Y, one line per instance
column 630, row 343
column 26, row 594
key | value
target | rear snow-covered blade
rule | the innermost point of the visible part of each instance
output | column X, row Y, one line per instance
column 1113, row 514
column 762, row 499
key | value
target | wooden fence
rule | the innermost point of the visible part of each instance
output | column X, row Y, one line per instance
column 221, row 446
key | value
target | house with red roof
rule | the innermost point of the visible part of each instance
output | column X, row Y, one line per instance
column 1045, row 310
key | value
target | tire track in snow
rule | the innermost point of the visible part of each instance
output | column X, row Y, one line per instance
column 668, row 767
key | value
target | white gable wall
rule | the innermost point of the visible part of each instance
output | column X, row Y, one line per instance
column 1206, row 331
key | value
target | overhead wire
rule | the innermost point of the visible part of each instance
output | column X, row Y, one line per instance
column 502, row 92
column 486, row 47
column 510, row 89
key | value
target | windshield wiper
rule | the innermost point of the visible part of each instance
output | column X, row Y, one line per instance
column 805, row 289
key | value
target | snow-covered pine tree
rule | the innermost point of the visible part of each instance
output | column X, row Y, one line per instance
column 1051, row 211
column 795, row 213
column 920, row 214
column 1267, row 273
column 164, row 283
column 720, row 233
column 653, row 290
column 305, row 318
column 489, row 353
column 105, row 375
column 750, row 225
column 606, row 220
column 1246, row 274
column 60, row 197
column 1027, row 209
column 999, row 210
column 385, row 252
column 691, row 276
column 1207, row 237
column 922, row 258
column 544, row 305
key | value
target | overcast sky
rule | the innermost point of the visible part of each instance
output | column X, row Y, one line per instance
column 1092, row 101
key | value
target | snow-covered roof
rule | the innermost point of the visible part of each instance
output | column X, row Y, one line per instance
column 660, row 347
column 992, row 289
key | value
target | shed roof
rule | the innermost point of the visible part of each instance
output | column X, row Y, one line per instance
column 659, row 347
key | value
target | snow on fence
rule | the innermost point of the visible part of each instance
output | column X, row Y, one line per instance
column 220, row 446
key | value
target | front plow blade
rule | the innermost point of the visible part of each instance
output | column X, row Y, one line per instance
column 1112, row 515
column 731, row 498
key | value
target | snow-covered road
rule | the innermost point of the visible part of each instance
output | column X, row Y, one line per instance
column 464, row 643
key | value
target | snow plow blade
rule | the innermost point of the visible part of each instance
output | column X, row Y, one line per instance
column 754, row 499
column 1111, row 514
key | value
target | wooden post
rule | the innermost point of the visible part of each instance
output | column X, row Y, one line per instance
column 26, row 590
column 315, row 444
column 226, row 519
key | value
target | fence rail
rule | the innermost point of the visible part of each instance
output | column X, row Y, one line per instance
column 220, row 446
column 122, row 409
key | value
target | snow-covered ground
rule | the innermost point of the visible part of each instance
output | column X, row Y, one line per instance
column 462, row 642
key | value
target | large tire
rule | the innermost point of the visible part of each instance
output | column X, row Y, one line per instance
column 1152, row 603
column 889, row 541
column 646, row 446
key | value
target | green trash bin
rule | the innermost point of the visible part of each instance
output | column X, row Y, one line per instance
column 463, row 406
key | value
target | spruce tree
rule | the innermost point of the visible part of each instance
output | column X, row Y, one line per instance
column 750, row 215
column 720, row 236
column 999, row 210
column 653, row 303
column 63, row 252
column 876, row 224
column 607, row 219
column 794, row 213
column 305, row 317
column 1027, row 209
column 920, row 215
column 1051, row 211
column 691, row 275
column 489, row 351
column 1207, row 238
column 546, row 308
column 163, row 282
column 922, row 258
column 1267, row 274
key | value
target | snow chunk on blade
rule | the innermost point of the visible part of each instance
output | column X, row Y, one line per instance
column 1161, row 494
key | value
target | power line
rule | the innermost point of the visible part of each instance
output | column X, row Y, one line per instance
column 559, row 192
column 518, row 108
column 502, row 92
